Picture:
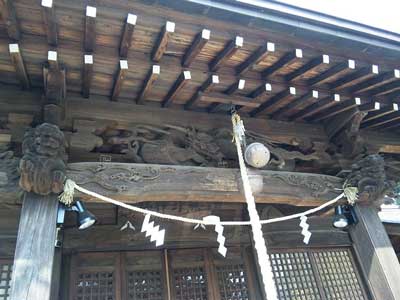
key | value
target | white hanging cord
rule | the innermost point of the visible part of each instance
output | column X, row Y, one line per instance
column 72, row 186
column 259, row 241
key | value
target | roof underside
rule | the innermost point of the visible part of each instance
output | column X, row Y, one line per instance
column 277, row 71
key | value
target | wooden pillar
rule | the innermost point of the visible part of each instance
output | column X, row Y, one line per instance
column 376, row 255
column 34, row 254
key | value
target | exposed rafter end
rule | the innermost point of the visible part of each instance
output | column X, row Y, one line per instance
column 87, row 74
column 229, row 50
column 335, row 70
column 126, row 38
column 304, row 101
column 50, row 22
column 195, row 48
column 19, row 65
column 283, row 61
column 274, row 102
column 179, row 84
column 312, row 64
column 233, row 89
column 257, row 56
column 162, row 41
column 119, row 79
column 90, row 28
column 316, row 107
column 148, row 83
column 206, row 87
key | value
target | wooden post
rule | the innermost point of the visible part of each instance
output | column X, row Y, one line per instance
column 376, row 255
column 35, row 251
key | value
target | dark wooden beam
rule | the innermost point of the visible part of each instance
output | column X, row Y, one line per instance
column 90, row 28
column 119, row 79
column 370, row 106
column 195, row 48
column 362, row 74
column 206, row 87
column 229, row 50
column 162, row 41
column 179, row 84
column 385, row 89
column 296, row 104
column 272, row 104
column 315, row 62
column 316, row 107
column 221, row 98
column 375, row 82
column 126, row 37
column 50, row 22
column 261, row 91
column 255, row 58
column 9, row 16
column 35, row 251
column 334, row 110
column 19, row 65
column 148, row 83
column 186, row 183
column 52, row 58
column 383, row 111
column 375, row 254
column 335, row 70
column 232, row 89
column 379, row 122
column 283, row 61
column 87, row 74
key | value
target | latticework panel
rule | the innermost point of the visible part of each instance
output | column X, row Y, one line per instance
column 190, row 283
column 294, row 276
column 338, row 275
column 95, row 286
column 232, row 282
column 145, row 285
column 5, row 280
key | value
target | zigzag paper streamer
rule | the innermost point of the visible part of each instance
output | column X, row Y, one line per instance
column 219, row 229
column 154, row 232
column 305, row 232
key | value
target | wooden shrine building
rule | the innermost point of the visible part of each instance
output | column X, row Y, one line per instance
column 131, row 99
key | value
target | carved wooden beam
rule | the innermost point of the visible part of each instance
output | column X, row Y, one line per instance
column 146, row 182
column 126, row 38
column 19, row 65
column 162, row 41
column 195, row 48
column 49, row 22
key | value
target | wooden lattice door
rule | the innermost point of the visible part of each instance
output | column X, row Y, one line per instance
column 5, row 279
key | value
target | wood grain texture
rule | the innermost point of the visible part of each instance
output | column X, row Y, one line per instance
column 376, row 255
column 34, row 254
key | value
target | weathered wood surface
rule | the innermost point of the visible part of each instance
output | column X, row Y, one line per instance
column 34, row 254
column 376, row 255
column 146, row 182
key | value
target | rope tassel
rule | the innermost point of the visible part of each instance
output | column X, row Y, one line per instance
column 67, row 197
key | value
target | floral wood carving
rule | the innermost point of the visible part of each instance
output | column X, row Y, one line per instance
column 42, row 166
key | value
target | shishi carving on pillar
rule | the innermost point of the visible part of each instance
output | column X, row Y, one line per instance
column 42, row 166
column 369, row 176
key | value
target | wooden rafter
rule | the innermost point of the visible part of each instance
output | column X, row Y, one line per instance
column 312, row 64
column 229, row 50
column 90, row 28
column 385, row 88
column 316, row 107
column 335, row 110
column 50, row 22
column 362, row 74
column 19, row 65
column 335, row 70
column 179, row 84
column 206, row 87
column 234, row 88
column 119, row 79
column 9, row 16
column 383, row 111
column 162, row 42
column 379, row 122
column 195, row 48
column 261, row 91
column 225, row 99
column 370, row 106
column 283, row 61
column 257, row 56
column 272, row 104
column 87, row 75
column 126, row 37
column 148, row 83
column 296, row 104
column 375, row 82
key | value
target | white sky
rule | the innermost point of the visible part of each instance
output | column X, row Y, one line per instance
column 383, row 14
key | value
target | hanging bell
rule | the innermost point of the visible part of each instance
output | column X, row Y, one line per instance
column 257, row 155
